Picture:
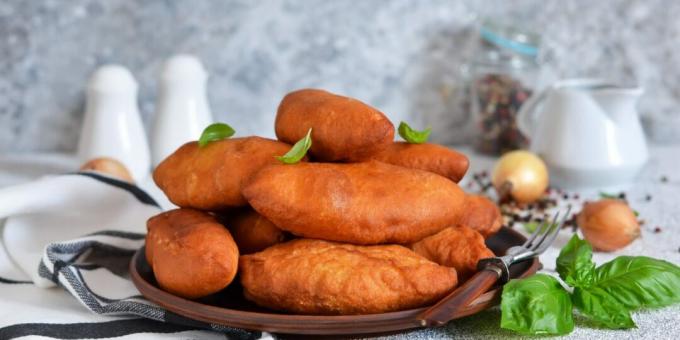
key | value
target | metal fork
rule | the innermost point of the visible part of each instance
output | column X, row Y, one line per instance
column 490, row 270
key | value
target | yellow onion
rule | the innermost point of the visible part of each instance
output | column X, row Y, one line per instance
column 608, row 224
column 108, row 166
column 521, row 176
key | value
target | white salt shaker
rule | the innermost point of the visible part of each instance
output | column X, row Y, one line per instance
column 182, row 110
column 112, row 126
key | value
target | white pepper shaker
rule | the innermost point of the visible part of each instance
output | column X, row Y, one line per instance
column 182, row 110
column 112, row 126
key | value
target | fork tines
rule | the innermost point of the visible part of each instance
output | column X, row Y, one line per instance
column 545, row 234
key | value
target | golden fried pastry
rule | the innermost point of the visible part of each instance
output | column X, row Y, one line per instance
column 211, row 177
column 457, row 247
column 360, row 203
column 429, row 157
column 319, row 277
column 190, row 253
column 482, row 214
column 343, row 128
column 252, row 231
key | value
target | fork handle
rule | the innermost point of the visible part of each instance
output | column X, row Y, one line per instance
column 443, row 311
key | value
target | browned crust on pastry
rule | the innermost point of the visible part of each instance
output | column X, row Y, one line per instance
column 319, row 277
column 457, row 247
column 191, row 254
column 343, row 128
column 482, row 215
column 252, row 232
column 428, row 157
column 359, row 203
column 211, row 177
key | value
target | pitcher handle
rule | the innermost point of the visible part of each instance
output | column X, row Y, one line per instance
column 526, row 117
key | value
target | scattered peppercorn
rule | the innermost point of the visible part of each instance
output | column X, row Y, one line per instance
column 571, row 222
column 664, row 179
column 657, row 230
column 482, row 185
column 622, row 196
column 567, row 224
column 519, row 213
column 648, row 198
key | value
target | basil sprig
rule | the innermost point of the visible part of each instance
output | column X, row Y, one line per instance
column 413, row 136
column 215, row 132
column 298, row 151
column 606, row 294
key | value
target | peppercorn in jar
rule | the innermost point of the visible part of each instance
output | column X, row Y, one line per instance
column 505, row 69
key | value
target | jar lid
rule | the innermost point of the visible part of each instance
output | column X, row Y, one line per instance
column 510, row 38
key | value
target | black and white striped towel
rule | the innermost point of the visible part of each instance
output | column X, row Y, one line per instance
column 78, row 232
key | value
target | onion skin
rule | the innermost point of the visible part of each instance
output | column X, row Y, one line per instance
column 520, row 175
column 608, row 224
column 108, row 166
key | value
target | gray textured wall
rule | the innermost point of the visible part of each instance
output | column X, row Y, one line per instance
column 403, row 57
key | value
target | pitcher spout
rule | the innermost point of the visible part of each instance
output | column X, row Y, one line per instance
column 617, row 102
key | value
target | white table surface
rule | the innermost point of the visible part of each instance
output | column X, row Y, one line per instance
column 663, row 211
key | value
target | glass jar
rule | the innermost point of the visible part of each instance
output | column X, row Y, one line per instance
column 505, row 70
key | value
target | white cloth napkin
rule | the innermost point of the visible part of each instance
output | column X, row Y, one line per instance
column 79, row 231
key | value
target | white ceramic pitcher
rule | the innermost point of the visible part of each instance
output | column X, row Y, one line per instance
column 588, row 132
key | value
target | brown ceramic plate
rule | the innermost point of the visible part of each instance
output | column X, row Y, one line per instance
column 229, row 308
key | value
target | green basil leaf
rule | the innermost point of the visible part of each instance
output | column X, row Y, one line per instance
column 640, row 281
column 575, row 264
column 413, row 136
column 215, row 132
column 599, row 306
column 298, row 151
column 530, row 227
column 608, row 195
column 536, row 305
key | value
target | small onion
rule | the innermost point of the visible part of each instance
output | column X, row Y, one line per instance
column 608, row 224
column 108, row 166
column 521, row 176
